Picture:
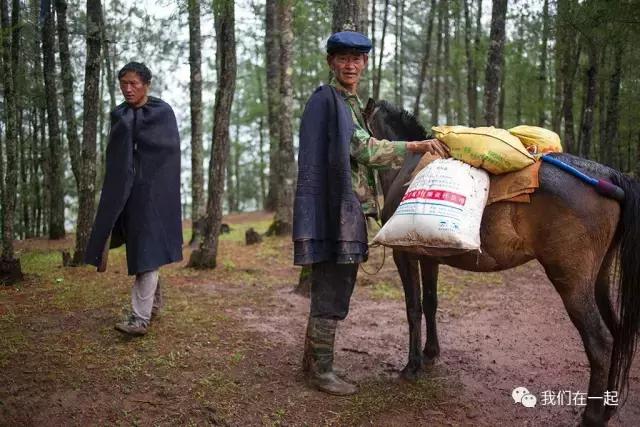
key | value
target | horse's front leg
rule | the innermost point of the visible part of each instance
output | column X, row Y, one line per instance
column 408, row 269
column 429, row 270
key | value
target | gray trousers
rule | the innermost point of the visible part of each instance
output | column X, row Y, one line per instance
column 331, row 288
column 145, row 295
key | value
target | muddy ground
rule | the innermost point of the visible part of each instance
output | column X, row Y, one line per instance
column 227, row 348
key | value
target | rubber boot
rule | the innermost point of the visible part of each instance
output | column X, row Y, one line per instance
column 317, row 362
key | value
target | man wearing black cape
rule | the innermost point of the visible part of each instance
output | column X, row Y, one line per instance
column 140, row 200
column 335, row 192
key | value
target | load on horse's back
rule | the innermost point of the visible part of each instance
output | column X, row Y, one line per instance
column 577, row 235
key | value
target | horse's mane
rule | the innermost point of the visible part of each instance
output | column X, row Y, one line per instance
column 404, row 120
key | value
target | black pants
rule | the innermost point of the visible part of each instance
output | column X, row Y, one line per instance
column 331, row 288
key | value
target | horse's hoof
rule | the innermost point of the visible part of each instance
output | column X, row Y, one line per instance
column 411, row 373
column 429, row 361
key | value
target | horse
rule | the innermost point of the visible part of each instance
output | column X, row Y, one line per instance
column 588, row 245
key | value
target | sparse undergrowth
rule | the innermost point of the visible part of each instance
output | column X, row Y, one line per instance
column 61, row 361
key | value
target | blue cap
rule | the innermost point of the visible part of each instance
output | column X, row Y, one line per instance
column 345, row 40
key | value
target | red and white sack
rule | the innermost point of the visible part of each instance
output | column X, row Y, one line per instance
column 441, row 212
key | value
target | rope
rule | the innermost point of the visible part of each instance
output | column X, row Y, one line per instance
column 384, row 256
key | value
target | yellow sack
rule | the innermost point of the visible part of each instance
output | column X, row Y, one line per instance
column 537, row 139
column 494, row 150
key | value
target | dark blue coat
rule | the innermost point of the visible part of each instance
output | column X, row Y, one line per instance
column 328, row 221
column 140, row 200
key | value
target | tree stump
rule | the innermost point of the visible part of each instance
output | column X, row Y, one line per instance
column 251, row 237
column 10, row 271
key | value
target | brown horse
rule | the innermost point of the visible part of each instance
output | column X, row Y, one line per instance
column 581, row 239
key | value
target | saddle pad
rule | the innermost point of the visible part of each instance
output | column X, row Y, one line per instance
column 509, row 187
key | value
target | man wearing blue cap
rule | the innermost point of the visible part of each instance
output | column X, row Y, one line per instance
column 335, row 193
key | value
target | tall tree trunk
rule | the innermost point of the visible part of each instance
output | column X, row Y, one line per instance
column 372, row 56
column 591, row 80
column 67, row 89
column 56, row 188
column 378, row 76
column 272, row 54
column 495, row 59
column 471, row 89
column 447, row 65
column 437, row 76
column 424, row 61
column 459, row 91
column 613, row 104
column 396, row 55
column 283, row 221
column 542, row 67
column 91, row 97
column 10, row 270
column 197, row 152
column 17, row 73
column 602, row 107
column 349, row 15
column 401, row 55
column 477, row 63
column 206, row 255
column 108, row 61
column 25, row 194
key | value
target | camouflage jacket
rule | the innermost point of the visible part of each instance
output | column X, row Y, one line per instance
column 368, row 154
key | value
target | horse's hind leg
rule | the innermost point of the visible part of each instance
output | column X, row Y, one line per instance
column 408, row 269
column 579, row 299
column 429, row 272
column 603, row 299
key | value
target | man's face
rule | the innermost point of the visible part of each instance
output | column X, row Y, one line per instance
column 348, row 67
column 133, row 89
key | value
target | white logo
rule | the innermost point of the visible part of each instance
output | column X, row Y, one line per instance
column 522, row 395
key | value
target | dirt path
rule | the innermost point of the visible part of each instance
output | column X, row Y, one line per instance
column 493, row 338
column 227, row 349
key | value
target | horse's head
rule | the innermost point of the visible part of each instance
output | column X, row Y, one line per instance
column 386, row 121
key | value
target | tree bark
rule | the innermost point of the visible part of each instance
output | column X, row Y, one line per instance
column 424, row 61
column 495, row 58
column 602, row 107
column 446, row 85
column 197, row 151
column 613, row 104
column 437, row 76
column 272, row 53
column 372, row 55
column 10, row 270
column 56, row 188
column 542, row 67
column 471, row 89
column 378, row 76
column 206, row 255
column 283, row 220
column 67, row 89
column 349, row 15
column 10, row 174
column 591, row 86
column 91, row 97
column 108, row 61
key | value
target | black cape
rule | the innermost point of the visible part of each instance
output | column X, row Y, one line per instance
column 328, row 221
column 140, row 200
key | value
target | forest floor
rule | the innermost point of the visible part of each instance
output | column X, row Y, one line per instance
column 228, row 345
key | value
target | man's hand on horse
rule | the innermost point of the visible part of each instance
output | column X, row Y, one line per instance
column 432, row 146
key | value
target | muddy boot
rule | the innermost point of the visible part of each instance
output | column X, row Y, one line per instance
column 317, row 362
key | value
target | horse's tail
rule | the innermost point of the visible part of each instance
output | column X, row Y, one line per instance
column 628, row 275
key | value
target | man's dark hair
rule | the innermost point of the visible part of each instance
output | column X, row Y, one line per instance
column 139, row 68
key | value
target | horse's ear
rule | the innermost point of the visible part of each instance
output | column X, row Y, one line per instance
column 369, row 107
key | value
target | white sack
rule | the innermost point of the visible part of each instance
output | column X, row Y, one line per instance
column 441, row 212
